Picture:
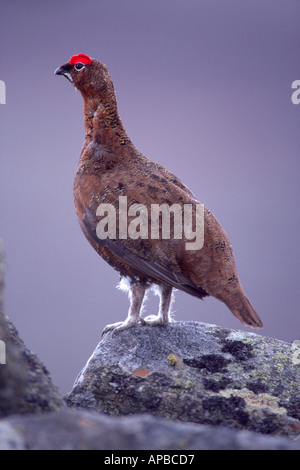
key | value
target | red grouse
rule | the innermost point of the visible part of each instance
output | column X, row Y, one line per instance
column 141, row 218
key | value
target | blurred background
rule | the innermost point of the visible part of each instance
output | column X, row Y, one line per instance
column 204, row 88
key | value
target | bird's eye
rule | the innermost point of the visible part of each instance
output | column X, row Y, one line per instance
column 79, row 66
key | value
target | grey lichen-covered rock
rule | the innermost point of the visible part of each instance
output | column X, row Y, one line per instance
column 25, row 384
column 83, row 430
column 186, row 372
column 194, row 372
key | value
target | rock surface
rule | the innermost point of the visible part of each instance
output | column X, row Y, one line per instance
column 25, row 383
column 194, row 372
column 82, row 430
column 186, row 372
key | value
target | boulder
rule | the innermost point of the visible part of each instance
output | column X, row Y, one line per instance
column 25, row 383
column 226, row 382
column 83, row 430
column 194, row 372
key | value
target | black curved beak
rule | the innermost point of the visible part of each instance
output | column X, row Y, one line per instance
column 64, row 70
column 59, row 71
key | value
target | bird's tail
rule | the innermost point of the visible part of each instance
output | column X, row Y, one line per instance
column 241, row 307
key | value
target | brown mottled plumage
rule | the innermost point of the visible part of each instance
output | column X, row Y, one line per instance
column 110, row 166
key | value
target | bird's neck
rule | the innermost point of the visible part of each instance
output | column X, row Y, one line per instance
column 102, row 123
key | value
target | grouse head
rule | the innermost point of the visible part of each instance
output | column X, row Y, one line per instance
column 88, row 75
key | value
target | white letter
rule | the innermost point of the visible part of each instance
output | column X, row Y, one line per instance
column 122, row 217
column 296, row 352
column 166, row 221
column 109, row 221
column 2, row 92
column 188, row 226
column 2, row 353
column 296, row 94
column 141, row 220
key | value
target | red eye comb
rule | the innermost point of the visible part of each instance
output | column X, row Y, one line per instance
column 83, row 58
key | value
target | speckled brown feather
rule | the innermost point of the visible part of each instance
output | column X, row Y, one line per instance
column 110, row 166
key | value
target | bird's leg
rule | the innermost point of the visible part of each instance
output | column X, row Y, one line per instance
column 136, row 295
column 164, row 316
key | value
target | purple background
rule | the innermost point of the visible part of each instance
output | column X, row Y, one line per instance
column 204, row 87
